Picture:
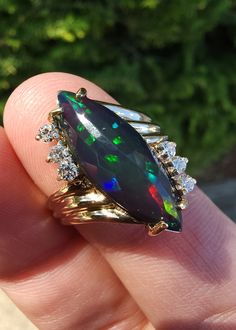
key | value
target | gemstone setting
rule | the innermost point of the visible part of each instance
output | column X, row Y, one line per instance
column 117, row 157
column 67, row 170
column 58, row 153
column 186, row 182
column 179, row 164
column 48, row 133
column 117, row 160
column 167, row 149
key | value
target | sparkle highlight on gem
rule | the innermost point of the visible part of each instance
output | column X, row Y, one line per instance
column 112, row 158
column 115, row 125
column 117, row 140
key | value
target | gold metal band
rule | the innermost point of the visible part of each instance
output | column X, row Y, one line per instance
column 80, row 202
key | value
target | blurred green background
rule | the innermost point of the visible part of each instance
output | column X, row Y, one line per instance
column 174, row 60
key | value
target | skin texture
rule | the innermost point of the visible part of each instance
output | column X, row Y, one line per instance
column 102, row 276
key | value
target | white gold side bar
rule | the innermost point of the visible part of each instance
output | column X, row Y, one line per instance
column 126, row 114
column 155, row 139
column 145, row 128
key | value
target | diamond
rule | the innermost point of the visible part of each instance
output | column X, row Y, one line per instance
column 168, row 148
column 186, row 182
column 145, row 128
column 47, row 133
column 58, row 153
column 67, row 170
column 180, row 164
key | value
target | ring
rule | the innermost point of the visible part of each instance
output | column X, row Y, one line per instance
column 117, row 166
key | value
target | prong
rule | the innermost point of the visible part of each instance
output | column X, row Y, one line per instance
column 52, row 114
column 178, row 186
column 171, row 170
column 157, row 228
column 178, row 191
column 168, row 164
column 182, row 204
column 37, row 137
column 162, row 156
column 82, row 92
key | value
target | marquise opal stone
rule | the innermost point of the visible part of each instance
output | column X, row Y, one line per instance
column 117, row 160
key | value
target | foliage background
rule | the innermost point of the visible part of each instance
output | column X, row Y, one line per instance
column 172, row 59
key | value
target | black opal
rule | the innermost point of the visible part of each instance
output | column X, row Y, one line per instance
column 115, row 157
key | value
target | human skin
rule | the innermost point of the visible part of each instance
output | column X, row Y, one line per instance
column 102, row 276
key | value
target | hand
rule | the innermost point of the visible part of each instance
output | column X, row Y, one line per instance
column 102, row 276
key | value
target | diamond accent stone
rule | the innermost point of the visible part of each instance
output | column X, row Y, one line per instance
column 58, row 153
column 67, row 170
column 47, row 133
column 168, row 148
column 186, row 182
column 179, row 164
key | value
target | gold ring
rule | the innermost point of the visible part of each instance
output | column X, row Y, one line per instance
column 117, row 166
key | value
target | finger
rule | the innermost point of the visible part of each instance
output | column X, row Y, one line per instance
column 184, row 281
column 48, row 271
column 168, row 259
column 27, row 109
column 28, row 234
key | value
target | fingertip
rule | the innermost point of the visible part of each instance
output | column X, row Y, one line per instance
column 41, row 91
column 27, row 109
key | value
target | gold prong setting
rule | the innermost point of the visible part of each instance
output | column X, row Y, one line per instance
column 164, row 152
column 54, row 114
column 67, row 170
column 157, row 228
column 48, row 133
column 174, row 166
column 82, row 92
column 60, row 153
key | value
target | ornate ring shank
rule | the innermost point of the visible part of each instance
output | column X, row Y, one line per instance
column 80, row 202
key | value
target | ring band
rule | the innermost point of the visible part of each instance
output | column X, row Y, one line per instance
column 117, row 166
